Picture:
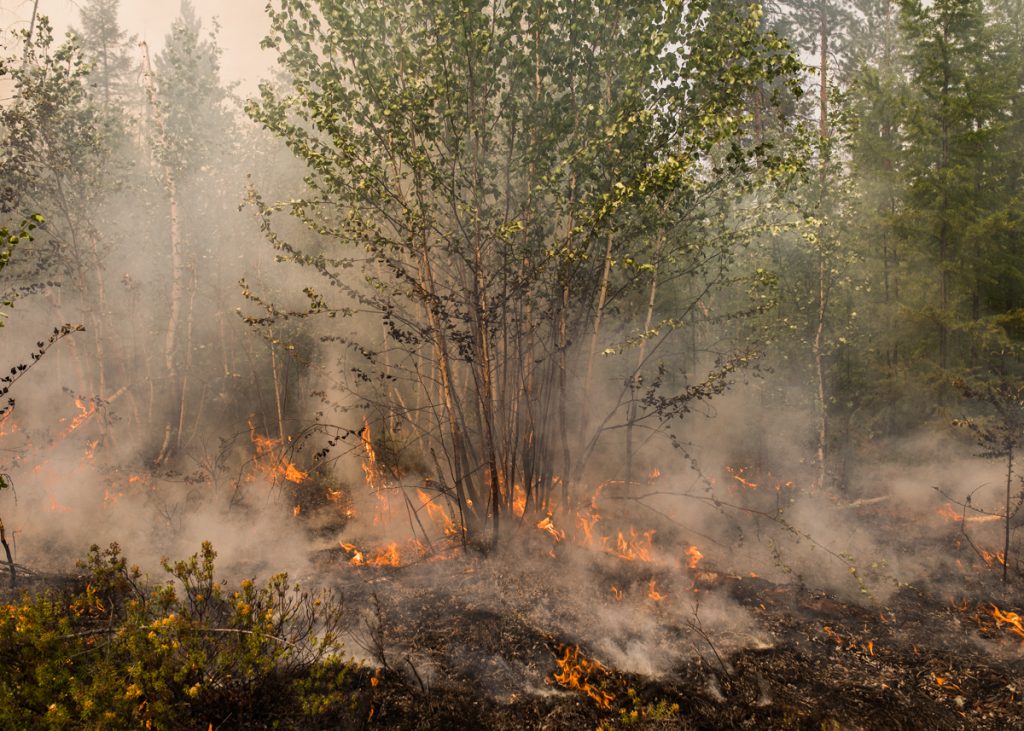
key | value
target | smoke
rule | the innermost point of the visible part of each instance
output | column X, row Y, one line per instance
column 108, row 478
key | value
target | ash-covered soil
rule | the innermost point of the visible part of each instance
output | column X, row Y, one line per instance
column 473, row 642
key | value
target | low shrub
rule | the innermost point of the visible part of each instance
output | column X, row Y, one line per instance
column 119, row 653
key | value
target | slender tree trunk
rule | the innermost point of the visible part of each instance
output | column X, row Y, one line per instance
column 824, row 274
column 595, row 333
column 177, row 248
column 1006, row 522
column 563, row 394
column 7, row 552
column 276, row 375
column 944, row 232
column 461, row 477
column 634, row 381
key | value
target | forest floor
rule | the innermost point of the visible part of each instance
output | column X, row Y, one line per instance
column 487, row 644
column 558, row 637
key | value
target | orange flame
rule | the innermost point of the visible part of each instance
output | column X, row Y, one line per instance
column 695, row 557
column 576, row 672
column 548, row 526
column 585, row 528
column 518, row 501
column 271, row 461
column 357, row 558
column 652, row 591
column 947, row 512
column 370, row 459
column 7, row 417
column 375, row 478
column 617, row 593
column 386, row 556
column 635, row 548
column 437, row 513
column 84, row 412
column 1012, row 619
column 992, row 558
column 56, row 507
column 738, row 475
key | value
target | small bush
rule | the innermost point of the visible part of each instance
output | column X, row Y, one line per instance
column 117, row 653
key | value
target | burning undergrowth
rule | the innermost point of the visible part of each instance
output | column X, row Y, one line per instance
column 730, row 599
column 611, row 615
column 507, row 643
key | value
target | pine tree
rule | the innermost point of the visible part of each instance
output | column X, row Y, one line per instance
column 190, row 94
column 110, row 53
column 946, row 129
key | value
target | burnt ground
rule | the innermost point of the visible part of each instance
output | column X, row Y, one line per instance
column 474, row 643
column 467, row 641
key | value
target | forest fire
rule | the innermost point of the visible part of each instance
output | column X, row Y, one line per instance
column 694, row 557
column 85, row 410
column 270, row 460
column 738, row 474
column 437, row 514
column 992, row 558
column 547, row 525
column 652, row 591
column 683, row 336
column 1012, row 620
column 635, row 547
column 576, row 672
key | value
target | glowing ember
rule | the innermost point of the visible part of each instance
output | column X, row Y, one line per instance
column 695, row 557
column 56, row 507
column 738, row 475
column 831, row 633
column 654, row 474
column 7, row 424
column 948, row 512
column 652, row 591
column 576, row 672
column 617, row 593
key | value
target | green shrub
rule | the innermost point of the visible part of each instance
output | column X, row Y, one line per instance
column 117, row 653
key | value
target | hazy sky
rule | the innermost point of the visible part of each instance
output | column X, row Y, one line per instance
column 243, row 23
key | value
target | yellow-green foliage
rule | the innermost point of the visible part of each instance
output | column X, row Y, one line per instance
column 638, row 711
column 118, row 654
